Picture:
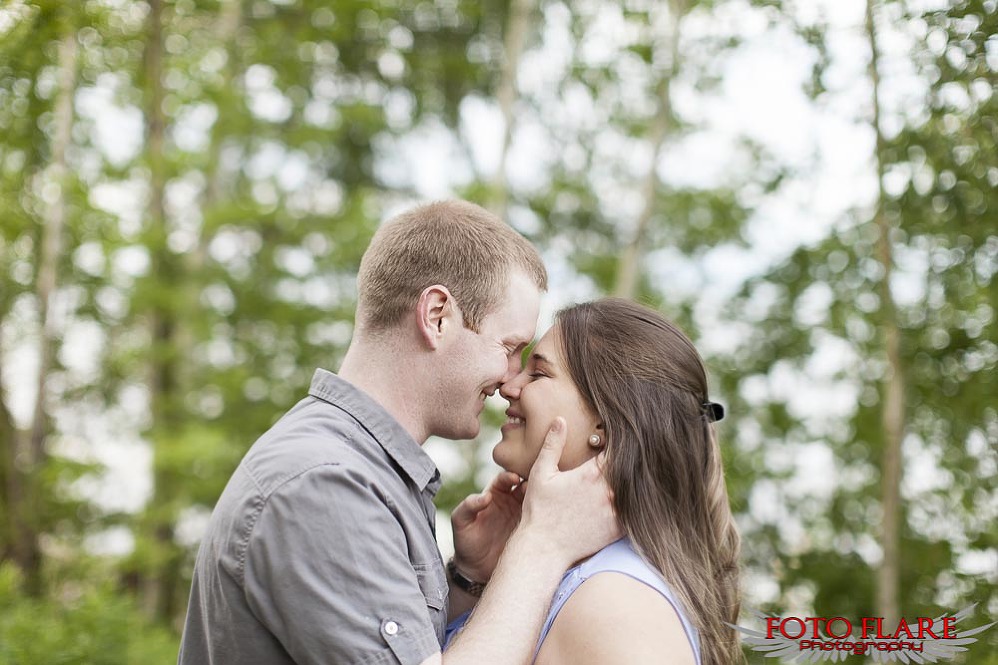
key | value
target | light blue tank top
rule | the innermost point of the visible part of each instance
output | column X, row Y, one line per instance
column 617, row 557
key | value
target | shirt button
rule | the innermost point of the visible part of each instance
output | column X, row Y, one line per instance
column 391, row 628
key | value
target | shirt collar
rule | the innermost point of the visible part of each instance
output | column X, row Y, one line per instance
column 389, row 434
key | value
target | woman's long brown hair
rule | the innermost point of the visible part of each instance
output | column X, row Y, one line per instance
column 646, row 382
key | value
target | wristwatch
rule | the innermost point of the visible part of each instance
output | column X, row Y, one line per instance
column 463, row 583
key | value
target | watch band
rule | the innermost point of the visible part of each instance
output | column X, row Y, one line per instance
column 463, row 583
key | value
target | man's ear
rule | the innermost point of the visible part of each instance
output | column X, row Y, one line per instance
column 436, row 312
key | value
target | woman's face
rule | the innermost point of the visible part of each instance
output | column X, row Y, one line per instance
column 541, row 392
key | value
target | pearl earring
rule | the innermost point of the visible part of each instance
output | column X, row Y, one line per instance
column 594, row 441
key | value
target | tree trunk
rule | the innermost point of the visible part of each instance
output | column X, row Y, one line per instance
column 513, row 45
column 51, row 240
column 160, row 585
column 11, row 495
column 229, row 19
column 888, row 578
column 629, row 268
column 156, row 594
column 53, row 224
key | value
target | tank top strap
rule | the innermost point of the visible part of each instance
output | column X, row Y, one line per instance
column 617, row 557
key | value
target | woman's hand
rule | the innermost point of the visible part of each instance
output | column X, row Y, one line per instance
column 570, row 512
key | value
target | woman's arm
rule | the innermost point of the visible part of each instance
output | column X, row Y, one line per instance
column 614, row 619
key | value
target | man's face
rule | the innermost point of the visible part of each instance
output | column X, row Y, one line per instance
column 476, row 364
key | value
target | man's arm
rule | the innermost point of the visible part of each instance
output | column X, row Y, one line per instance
column 566, row 517
column 327, row 572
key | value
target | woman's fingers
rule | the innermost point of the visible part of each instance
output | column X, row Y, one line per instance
column 547, row 460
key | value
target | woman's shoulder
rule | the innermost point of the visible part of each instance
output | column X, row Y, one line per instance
column 620, row 613
column 619, row 556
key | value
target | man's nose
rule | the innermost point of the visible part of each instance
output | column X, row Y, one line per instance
column 512, row 368
column 511, row 389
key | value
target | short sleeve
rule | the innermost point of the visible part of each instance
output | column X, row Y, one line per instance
column 328, row 573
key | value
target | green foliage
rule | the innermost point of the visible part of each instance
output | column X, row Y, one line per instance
column 82, row 624
column 945, row 242
column 208, row 320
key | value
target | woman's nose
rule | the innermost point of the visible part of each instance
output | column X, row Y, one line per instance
column 511, row 389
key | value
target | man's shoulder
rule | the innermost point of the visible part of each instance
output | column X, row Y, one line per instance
column 314, row 433
column 312, row 438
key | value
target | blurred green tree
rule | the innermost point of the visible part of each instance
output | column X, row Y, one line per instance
column 46, row 210
column 895, row 310
column 188, row 186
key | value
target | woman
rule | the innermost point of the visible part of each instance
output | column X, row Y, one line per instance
column 632, row 386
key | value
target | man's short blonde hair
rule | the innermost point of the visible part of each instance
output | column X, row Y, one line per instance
column 453, row 243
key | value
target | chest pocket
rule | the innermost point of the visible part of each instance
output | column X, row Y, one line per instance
column 433, row 583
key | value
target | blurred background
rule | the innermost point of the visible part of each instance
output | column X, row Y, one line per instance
column 808, row 187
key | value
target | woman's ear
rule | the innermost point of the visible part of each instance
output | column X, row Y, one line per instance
column 597, row 441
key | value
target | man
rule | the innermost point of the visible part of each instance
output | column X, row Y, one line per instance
column 321, row 549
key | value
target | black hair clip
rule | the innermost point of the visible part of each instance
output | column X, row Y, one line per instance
column 713, row 410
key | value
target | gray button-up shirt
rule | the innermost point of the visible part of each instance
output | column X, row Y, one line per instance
column 321, row 549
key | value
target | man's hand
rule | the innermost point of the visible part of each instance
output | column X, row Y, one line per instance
column 572, row 510
column 482, row 524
